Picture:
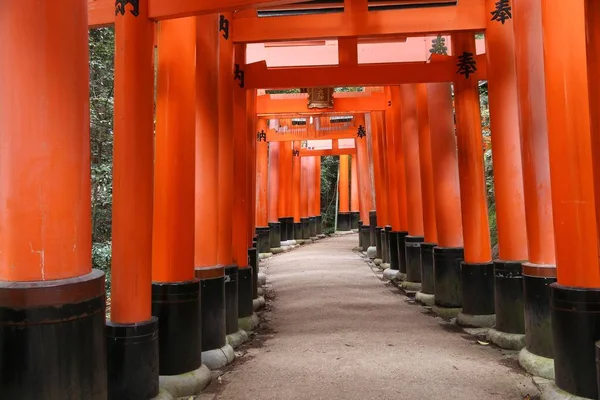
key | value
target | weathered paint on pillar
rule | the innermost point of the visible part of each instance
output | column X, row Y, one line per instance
column 316, row 203
column 304, row 183
column 296, row 193
column 285, row 179
column 174, row 188
column 133, row 168
column 506, row 142
column 240, row 168
column 410, row 144
column 274, row 181
column 426, row 165
column 380, row 192
column 444, row 165
column 390, row 150
column 251, row 163
column 311, row 186
column 207, row 145
column 44, row 119
column 470, row 160
column 344, row 201
column 262, row 175
column 226, row 142
column 354, row 197
column 400, row 171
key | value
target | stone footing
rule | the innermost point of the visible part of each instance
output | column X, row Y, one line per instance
column 262, row 279
column 390, row 274
column 188, row 384
column 372, row 252
column 262, row 256
column 248, row 324
column 235, row 340
column 552, row 392
column 218, row 358
column 425, row 298
column 446, row 312
column 509, row 341
column 475, row 321
column 258, row 303
column 276, row 250
column 536, row 365
column 411, row 286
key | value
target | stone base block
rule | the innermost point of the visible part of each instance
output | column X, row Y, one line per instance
column 261, row 291
column 218, row 358
column 411, row 286
column 536, row 365
column 425, row 298
column 401, row 277
column 552, row 392
column 276, row 250
column 377, row 261
column 262, row 279
column 258, row 303
column 163, row 395
column 235, row 340
column 185, row 385
column 476, row 321
column 384, row 266
column 248, row 324
column 390, row 274
column 321, row 236
column 509, row 341
column 371, row 252
column 446, row 312
column 262, row 256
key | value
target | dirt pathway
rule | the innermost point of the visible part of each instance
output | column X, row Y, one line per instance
column 335, row 331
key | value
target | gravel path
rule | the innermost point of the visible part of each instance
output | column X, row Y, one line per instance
column 334, row 330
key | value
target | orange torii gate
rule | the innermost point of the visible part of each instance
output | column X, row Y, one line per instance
column 52, row 302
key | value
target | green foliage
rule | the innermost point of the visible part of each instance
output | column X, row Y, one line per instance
column 349, row 89
column 438, row 46
column 101, row 43
column 329, row 173
column 281, row 91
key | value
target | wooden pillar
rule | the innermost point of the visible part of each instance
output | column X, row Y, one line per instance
column 304, row 201
column 365, row 187
column 508, row 175
column 133, row 185
column 414, row 207
column 381, row 198
column 285, row 196
column 477, row 270
column 296, row 190
column 540, row 271
column 312, row 193
column 343, row 222
column 446, row 184
column 262, row 186
column 572, row 177
column 354, row 198
column 174, row 188
column 317, row 199
column 250, row 137
column 274, row 226
column 45, row 239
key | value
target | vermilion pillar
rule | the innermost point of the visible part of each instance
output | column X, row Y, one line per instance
column 571, row 149
column 343, row 222
column 540, row 271
column 46, row 277
column 354, row 198
column 400, row 175
column 476, row 278
column 132, row 333
column 379, row 175
column 251, row 235
column 296, row 189
column 304, row 204
column 262, row 186
column 508, row 178
column 364, row 182
column 446, row 186
column 312, row 194
column 206, row 173
column 174, row 188
column 317, row 198
column 414, row 207
column 274, row 225
column 285, row 192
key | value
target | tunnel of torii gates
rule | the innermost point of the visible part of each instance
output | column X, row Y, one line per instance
column 227, row 168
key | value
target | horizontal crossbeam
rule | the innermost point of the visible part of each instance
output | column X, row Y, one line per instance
column 268, row 105
column 272, row 136
column 330, row 152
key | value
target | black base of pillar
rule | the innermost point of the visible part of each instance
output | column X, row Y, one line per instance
column 297, row 230
column 360, row 237
column 178, row 309
column 394, row 250
column 312, row 226
column 365, row 234
column 245, row 293
column 354, row 217
column 52, row 335
column 289, row 226
column 343, row 222
column 388, row 238
column 536, row 303
column 274, row 235
column 402, row 251
column 378, row 242
column 427, row 276
column 319, row 222
column 132, row 360
column 446, row 272
column 477, row 288
column 508, row 280
column 263, row 240
column 384, row 245
column 373, row 232
column 253, row 260
column 212, row 293
column 575, row 314
column 413, row 257
column 283, row 232
column 231, row 299
column 305, row 228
